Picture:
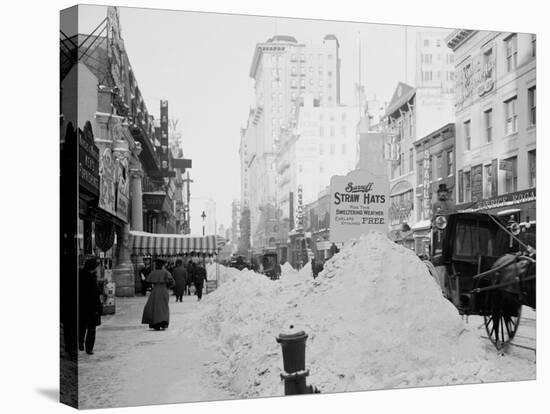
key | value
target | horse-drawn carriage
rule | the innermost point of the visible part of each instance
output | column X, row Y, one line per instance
column 484, row 268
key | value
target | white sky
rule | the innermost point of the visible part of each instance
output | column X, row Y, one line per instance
column 200, row 62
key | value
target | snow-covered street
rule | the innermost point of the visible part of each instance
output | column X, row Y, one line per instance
column 375, row 319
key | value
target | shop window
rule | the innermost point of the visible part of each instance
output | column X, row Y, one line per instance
column 488, row 116
column 511, row 175
column 532, row 102
column 450, row 162
column 487, row 181
column 511, row 44
column 532, row 159
column 467, row 136
column 467, row 186
column 511, row 116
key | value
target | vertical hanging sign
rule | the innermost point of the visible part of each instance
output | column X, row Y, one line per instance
column 426, row 191
column 164, row 136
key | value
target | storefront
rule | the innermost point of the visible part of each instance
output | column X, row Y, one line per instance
column 520, row 206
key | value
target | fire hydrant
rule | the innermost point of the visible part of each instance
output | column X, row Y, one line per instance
column 293, row 344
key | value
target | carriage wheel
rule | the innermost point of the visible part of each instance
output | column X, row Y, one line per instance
column 502, row 326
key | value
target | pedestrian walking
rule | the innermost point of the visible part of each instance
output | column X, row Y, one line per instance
column 180, row 277
column 89, row 305
column 144, row 272
column 199, row 279
column 157, row 311
column 190, row 277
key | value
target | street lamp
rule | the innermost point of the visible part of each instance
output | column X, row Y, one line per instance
column 203, row 215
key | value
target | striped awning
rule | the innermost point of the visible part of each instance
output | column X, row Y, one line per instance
column 142, row 243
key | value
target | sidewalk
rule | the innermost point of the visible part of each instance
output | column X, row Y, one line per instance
column 134, row 365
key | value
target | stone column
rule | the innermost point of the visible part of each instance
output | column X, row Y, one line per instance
column 136, row 195
column 123, row 272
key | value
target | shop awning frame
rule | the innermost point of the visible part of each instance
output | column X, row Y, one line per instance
column 142, row 243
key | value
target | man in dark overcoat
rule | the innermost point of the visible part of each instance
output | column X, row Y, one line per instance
column 180, row 277
column 89, row 305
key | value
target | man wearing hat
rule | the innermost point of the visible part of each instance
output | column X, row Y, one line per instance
column 443, row 205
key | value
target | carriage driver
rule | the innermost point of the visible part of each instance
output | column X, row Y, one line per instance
column 443, row 205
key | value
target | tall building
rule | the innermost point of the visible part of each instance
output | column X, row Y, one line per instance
column 496, row 121
column 434, row 62
column 235, row 224
column 284, row 70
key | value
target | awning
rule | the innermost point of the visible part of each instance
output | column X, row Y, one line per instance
column 142, row 243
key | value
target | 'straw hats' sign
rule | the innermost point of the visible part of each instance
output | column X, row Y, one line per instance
column 359, row 204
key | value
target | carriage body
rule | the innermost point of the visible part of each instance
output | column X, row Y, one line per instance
column 482, row 269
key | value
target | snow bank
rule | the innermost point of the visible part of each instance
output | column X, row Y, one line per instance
column 375, row 319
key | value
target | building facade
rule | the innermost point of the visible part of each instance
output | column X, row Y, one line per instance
column 435, row 166
column 284, row 71
column 496, row 122
column 434, row 62
column 412, row 114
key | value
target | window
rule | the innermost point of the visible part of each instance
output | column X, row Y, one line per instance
column 330, row 56
column 320, row 70
column 343, row 116
column 450, row 162
column 293, row 70
column 320, row 82
column 532, row 159
column 511, row 176
column 321, row 149
column 438, row 43
column 487, row 60
column 332, row 149
column 467, row 136
column 343, row 130
column 322, row 167
column 450, row 58
column 329, row 73
column 273, row 83
column 293, row 83
column 510, row 111
column 332, row 131
column 487, row 181
column 311, row 69
column 533, row 45
column 343, row 149
column 303, row 70
column 419, row 173
column 532, row 102
column 411, row 159
column 311, row 82
column 402, row 164
column 427, row 58
column 321, row 131
column 331, row 117
column 302, row 83
column 440, row 166
column 488, row 115
column 427, row 76
column 467, row 186
column 511, row 52
column 426, row 42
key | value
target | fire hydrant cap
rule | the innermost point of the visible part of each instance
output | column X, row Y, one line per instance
column 292, row 335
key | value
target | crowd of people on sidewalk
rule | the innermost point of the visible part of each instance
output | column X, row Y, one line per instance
column 182, row 279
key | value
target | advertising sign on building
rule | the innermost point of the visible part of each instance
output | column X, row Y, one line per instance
column 88, row 161
column 300, row 208
column 477, row 182
column 107, row 182
column 123, row 189
column 359, row 204
column 164, row 136
column 426, row 193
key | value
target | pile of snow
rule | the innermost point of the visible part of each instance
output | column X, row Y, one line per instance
column 375, row 319
column 288, row 270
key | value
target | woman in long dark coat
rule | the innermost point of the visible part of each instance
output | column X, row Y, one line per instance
column 157, row 312
column 89, row 305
